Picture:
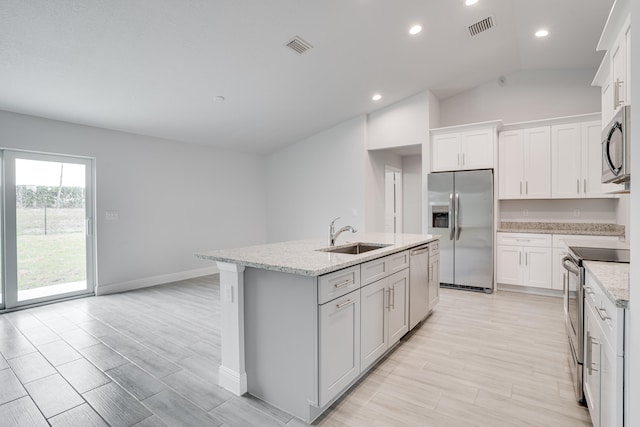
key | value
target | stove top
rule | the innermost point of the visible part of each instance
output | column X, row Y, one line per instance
column 601, row 254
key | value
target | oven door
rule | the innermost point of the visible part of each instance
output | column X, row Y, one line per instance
column 574, row 304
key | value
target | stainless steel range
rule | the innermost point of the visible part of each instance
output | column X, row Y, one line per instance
column 573, row 287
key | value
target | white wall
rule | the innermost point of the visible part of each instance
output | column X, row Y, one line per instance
column 173, row 198
column 412, row 193
column 315, row 180
column 601, row 211
column 634, row 201
column 405, row 122
column 527, row 95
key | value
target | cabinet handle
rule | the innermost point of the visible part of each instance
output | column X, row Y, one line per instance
column 588, row 290
column 526, row 258
column 520, row 258
column 578, row 186
column 343, row 283
column 591, row 362
column 616, row 94
column 521, row 188
column 602, row 312
column 588, row 355
column 346, row 303
column 585, row 186
column 387, row 294
column 458, row 159
column 527, row 187
column 392, row 291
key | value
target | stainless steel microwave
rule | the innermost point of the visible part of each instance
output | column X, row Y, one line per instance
column 616, row 148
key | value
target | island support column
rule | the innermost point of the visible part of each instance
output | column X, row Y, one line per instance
column 231, row 374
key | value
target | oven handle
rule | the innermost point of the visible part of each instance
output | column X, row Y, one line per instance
column 569, row 264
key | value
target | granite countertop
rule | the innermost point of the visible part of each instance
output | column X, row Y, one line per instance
column 302, row 256
column 613, row 278
column 593, row 229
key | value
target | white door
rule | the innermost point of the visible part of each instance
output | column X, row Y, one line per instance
column 566, row 160
column 537, row 267
column 398, row 305
column 510, row 163
column 445, row 152
column 48, row 212
column 476, row 148
column 374, row 340
column 537, row 163
column 339, row 344
column 434, row 281
column 509, row 265
column 392, row 200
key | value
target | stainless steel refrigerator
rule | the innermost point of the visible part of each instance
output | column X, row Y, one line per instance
column 461, row 210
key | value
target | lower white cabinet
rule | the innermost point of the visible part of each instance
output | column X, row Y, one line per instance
column 524, row 259
column 384, row 314
column 603, row 357
column 434, row 275
column 339, row 336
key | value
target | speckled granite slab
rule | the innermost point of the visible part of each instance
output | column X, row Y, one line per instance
column 613, row 278
column 302, row 256
column 587, row 228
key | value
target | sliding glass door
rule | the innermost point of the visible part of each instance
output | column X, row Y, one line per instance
column 48, row 236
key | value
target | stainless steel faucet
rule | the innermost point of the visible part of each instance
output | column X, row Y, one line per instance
column 333, row 235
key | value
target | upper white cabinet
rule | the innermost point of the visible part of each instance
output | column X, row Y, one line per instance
column 525, row 163
column 576, row 160
column 614, row 76
column 464, row 147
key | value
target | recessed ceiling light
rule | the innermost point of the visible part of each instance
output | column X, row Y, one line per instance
column 470, row 2
column 415, row 29
column 542, row 33
column 376, row 97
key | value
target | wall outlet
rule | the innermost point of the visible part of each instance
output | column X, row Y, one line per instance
column 111, row 215
column 576, row 212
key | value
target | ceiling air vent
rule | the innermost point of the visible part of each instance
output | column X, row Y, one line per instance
column 481, row 26
column 298, row 45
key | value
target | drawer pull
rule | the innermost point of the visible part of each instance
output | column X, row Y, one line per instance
column 588, row 290
column 343, row 283
column 346, row 303
column 602, row 312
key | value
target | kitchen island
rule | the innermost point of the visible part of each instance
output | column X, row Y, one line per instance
column 299, row 325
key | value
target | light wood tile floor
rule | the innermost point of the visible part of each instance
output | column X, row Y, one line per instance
column 150, row 358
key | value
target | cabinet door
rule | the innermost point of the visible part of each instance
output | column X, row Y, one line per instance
column 510, row 265
column 445, row 152
column 476, row 149
column 627, row 42
column 398, row 306
column 374, row 306
column 537, row 163
column 566, row 160
column 611, row 396
column 339, row 345
column 434, row 281
column 537, row 267
column 619, row 71
column 592, row 363
column 510, row 171
column 591, row 159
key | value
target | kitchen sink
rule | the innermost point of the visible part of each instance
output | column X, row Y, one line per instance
column 354, row 248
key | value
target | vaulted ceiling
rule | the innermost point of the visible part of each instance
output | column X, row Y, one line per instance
column 158, row 67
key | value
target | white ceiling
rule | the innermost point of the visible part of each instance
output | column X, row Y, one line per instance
column 154, row 67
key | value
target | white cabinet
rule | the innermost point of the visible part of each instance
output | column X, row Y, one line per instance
column 463, row 148
column 524, row 259
column 525, row 163
column 385, row 315
column 603, row 356
column 339, row 336
column 576, row 160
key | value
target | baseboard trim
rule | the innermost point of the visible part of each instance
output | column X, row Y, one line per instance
column 531, row 290
column 154, row 281
column 235, row 382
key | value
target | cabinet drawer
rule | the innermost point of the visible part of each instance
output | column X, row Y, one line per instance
column 611, row 318
column 524, row 239
column 558, row 239
column 382, row 267
column 338, row 283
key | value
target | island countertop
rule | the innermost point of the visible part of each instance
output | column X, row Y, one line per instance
column 303, row 257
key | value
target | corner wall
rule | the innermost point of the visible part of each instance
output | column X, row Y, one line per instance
column 526, row 96
column 173, row 198
column 315, row 180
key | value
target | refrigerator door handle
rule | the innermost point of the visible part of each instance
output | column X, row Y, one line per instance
column 458, row 216
column 452, row 227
